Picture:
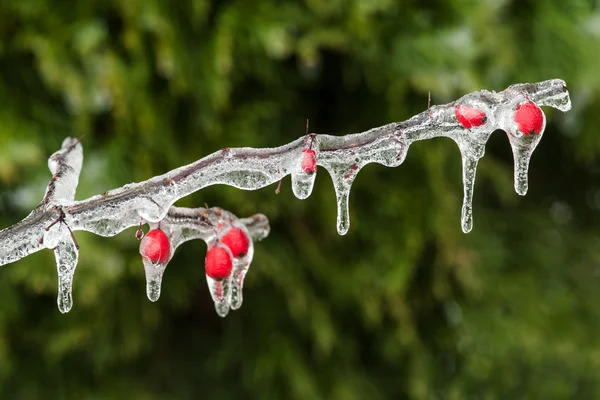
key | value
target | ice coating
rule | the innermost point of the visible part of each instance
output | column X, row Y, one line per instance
column 257, row 226
column 51, row 224
column 552, row 93
column 28, row 241
column 66, row 254
column 199, row 223
column 65, row 166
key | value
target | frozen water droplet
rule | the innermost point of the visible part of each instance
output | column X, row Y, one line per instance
column 469, row 170
column 220, row 291
column 66, row 255
column 302, row 184
column 154, row 275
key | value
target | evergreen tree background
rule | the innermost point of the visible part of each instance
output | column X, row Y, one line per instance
column 405, row 305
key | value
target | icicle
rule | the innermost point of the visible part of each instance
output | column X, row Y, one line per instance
column 240, row 269
column 221, row 291
column 476, row 119
column 342, row 192
column 154, row 275
column 469, row 170
column 522, row 149
column 302, row 184
column 66, row 254
column 471, row 150
column 342, row 184
column 239, row 273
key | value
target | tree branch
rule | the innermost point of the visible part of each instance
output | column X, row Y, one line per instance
column 469, row 121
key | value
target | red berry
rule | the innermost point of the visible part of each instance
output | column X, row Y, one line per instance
column 309, row 162
column 156, row 246
column 469, row 116
column 529, row 118
column 218, row 263
column 237, row 241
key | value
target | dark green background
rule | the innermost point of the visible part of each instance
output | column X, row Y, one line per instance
column 405, row 305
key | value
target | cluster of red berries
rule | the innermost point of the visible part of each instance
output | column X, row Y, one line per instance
column 156, row 247
column 219, row 258
column 528, row 117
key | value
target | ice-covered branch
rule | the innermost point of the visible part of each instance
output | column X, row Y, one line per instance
column 469, row 121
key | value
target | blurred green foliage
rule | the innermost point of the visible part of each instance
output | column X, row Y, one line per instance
column 405, row 305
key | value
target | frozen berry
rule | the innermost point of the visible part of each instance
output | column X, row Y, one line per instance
column 156, row 246
column 218, row 263
column 529, row 118
column 469, row 116
column 309, row 162
column 237, row 241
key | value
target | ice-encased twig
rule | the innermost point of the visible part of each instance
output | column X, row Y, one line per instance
column 65, row 166
column 199, row 223
column 109, row 213
column 210, row 225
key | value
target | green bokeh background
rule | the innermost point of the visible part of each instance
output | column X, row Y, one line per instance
column 405, row 305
